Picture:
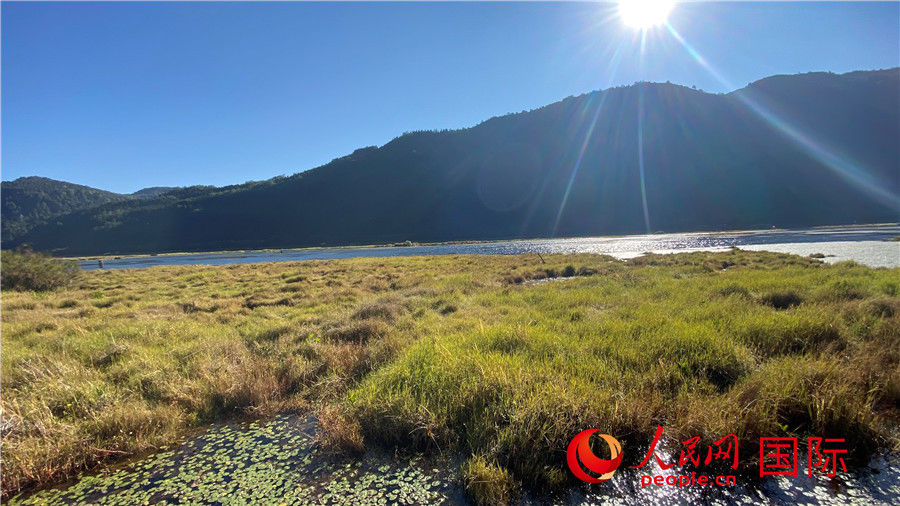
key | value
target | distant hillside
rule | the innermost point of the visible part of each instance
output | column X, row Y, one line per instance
column 153, row 191
column 803, row 150
column 29, row 201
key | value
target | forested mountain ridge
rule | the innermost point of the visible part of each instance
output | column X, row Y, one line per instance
column 153, row 191
column 31, row 200
column 800, row 150
column 28, row 201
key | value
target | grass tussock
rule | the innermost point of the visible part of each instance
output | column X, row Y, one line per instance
column 487, row 483
column 782, row 299
column 27, row 270
column 339, row 432
column 452, row 353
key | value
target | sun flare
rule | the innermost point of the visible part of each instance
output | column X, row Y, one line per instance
column 645, row 13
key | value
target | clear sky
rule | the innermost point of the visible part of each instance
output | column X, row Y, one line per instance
column 122, row 96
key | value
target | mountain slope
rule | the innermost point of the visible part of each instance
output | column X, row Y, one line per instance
column 811, row 149
column 153, row 191
column 30, row 201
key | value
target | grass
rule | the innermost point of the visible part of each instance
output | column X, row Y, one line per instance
column 756, row 345
column 454, row 352
column 26, row 270
column 486, row 482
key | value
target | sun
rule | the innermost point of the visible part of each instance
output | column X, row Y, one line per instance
column 643, row 14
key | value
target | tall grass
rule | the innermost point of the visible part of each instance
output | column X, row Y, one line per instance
column 121, row 362
column 27, row 270
column 678, row 341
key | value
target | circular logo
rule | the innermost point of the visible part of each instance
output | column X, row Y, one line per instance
column 580, row 451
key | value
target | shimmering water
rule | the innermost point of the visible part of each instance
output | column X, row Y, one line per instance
column 869, row 245
column 878, row 483
column 279, row 462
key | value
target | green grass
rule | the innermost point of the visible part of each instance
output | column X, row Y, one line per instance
column 486, row 482
column 455, row 352
column 26, row 270
column 677, row 341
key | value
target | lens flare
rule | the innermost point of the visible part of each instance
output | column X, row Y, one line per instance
column 643, row 14
column 829, row 156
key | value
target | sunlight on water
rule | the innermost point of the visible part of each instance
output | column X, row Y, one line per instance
column 871, row 253
column 876, row 484
column 869, row 245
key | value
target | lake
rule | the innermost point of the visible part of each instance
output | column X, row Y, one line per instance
column 868, row 245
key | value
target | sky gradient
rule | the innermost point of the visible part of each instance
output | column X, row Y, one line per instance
column 122, row 96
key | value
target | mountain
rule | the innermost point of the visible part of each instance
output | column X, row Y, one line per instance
column 29, row 201
column 801, row 150
column 153, row 191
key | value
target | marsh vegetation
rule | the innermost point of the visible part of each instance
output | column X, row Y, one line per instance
column 24, row 269
column 454, row 353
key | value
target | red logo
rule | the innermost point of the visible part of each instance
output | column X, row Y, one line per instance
column 580, row 450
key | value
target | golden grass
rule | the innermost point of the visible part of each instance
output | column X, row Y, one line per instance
column 125, row 361
column 487, row 483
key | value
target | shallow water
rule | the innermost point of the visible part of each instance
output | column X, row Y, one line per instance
column 867, row 245
column 279, row 462
column 273, row 462
column 876, row 484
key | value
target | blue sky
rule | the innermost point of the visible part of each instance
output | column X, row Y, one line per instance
column 122, row 96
